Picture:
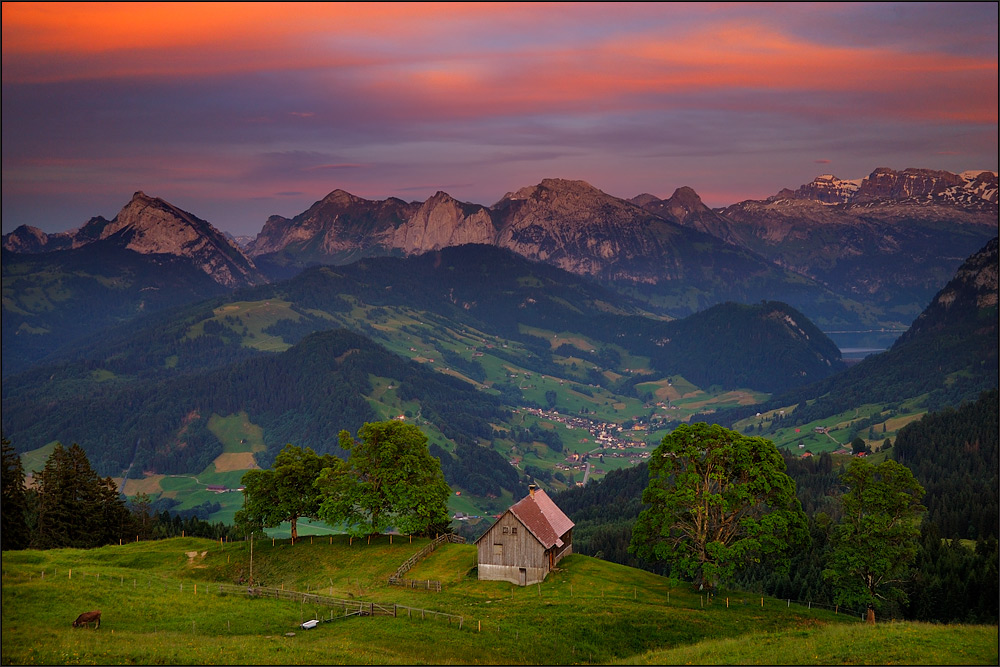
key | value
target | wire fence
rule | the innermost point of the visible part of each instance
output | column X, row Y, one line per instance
column 426, row 584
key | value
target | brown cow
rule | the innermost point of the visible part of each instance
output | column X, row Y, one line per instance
column 88, row 617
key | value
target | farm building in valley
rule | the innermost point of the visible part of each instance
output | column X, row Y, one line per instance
column 526, row 542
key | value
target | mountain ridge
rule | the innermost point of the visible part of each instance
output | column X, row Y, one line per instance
column 151, row 226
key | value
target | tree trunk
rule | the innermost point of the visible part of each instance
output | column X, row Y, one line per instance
column 295, row 529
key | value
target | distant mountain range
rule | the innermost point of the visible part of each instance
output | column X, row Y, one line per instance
column 130, row 336
column 848, row 254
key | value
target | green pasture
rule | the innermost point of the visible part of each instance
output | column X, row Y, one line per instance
column 35, row 459
column 884, row 644
column 841, row 428
column 237, row 433
column 161, row 604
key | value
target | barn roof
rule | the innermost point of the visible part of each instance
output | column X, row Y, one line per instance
column 542, row 518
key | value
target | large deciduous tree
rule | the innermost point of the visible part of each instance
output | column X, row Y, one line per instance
column 391, row 480
column 285, row 492
column 717, row 500
column 877, row 538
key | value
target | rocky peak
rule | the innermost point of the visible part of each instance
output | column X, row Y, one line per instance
column 26, row 239
column 685, row 201
column 645, row 199
column 443, row 221
column 341, row 198
column 825, row 188
column 151, row 226
column 686, row 208
column 555, row 188
column 884, row 183
column 981, row 184
column 974, row 191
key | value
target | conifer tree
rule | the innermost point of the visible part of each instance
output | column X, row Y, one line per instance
column 14, row 531
column 76, row 508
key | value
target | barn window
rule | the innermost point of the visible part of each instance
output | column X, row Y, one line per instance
column 497, row 549
column 513, row 530
column 506, row 530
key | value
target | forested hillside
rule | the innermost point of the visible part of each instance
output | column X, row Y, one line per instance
column 956, row 456
column 305, row 395
column 54, row 301
column 949, row 355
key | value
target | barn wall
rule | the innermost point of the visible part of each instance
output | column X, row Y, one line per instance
column 532, row 575
column 567, row 547
column 502, row 554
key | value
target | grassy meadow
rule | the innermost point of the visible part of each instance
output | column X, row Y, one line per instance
column 161, row 604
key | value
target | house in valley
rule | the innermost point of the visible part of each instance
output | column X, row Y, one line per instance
column 524, row 544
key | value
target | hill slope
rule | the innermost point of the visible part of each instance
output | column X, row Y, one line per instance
column 947, row 356
column 147, row 593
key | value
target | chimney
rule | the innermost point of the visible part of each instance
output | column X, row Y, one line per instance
column 531, row 490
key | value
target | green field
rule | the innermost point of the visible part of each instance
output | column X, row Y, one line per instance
column 161, row 604
column 837, row 430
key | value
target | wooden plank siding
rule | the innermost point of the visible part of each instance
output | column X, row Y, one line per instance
column 508, row 551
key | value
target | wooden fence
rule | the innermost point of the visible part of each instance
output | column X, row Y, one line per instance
column 347, row 607
column 426, row 584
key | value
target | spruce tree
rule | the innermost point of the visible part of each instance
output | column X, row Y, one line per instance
column 14, row 532
column 76, row 507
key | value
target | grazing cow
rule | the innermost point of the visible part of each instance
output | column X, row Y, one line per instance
column 88, row 617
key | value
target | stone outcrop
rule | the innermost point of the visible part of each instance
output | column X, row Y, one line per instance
column 442, row 222
column 150, row 226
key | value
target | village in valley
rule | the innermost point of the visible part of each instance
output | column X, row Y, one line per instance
column 610, row 440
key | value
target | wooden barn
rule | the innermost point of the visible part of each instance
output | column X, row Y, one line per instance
column 526, row 542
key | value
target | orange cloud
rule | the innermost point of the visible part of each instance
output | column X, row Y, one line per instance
column 423, row 58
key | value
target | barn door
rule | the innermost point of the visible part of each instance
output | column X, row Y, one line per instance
column 522, row 575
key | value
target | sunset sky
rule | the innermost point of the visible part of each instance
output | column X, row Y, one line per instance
column 237, row 112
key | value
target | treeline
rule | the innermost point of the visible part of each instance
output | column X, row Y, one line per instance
column 604, row 513
column 70, row 505
column 953, row 454
column 956, row 455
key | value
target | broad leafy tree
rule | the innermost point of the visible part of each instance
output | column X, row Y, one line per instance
column 717, row 500
column 391, row 480
column 285, row 492
column 877, row 538
column 14, row 531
